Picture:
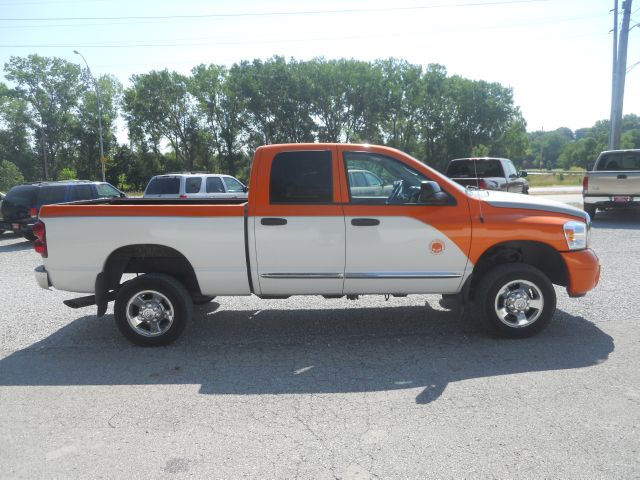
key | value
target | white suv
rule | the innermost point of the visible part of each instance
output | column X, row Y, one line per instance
column 195, row 185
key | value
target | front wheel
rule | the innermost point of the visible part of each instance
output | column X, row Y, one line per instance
column 516, row 300
column 152, row 309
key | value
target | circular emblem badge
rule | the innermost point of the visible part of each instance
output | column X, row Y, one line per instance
column 437, row 247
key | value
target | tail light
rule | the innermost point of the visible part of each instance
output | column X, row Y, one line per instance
column 40, row 245
column 183, row 196
column 585, row 184
column 33, row 212
column 482, row 184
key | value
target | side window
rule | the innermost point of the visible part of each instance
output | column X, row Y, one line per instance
column 106, row 190
column 233, row 185
column 214, row 185
column 384, row 180
column 81, row 192
column 301, row 177
column 192, row 184
column 510, row 169
column 52, row 194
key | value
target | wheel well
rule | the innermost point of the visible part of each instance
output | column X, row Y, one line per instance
column 540, row 255
column 149, row 258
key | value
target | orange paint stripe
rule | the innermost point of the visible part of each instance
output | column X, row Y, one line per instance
column 49, row 211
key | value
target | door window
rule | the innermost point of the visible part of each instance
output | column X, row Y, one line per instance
column 192, row 184
column 301, row 177
column 81, row 192
column 233, row 185
column 214, row 185
column 376, row 179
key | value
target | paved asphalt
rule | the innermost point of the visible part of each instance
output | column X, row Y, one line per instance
column 314, row 389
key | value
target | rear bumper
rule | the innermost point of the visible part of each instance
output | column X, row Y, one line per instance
column 609, row 201
column 17, row 227
column 42, row 277
column 584, row 271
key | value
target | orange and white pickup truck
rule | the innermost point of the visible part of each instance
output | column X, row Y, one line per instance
column 308, row 229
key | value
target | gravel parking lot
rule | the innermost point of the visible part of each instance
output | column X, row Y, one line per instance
column 314, row 388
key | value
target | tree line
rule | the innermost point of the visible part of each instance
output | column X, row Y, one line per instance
column 213, row 118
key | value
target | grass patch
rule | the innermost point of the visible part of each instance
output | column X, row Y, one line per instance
column 554, row 180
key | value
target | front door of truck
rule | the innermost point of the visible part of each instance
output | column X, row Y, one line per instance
column 299, row 223
column 395, row 244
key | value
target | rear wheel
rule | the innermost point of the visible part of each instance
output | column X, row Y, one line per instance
column 29, row 235
column 516, row 300
column 152, row 309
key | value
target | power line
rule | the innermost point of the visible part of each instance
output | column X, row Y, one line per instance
column 215, row 40
column 268, row 14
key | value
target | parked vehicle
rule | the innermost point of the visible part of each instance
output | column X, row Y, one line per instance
column 614, row 182
column 21, row 206
column 195, row 185
column 488, row 174
column 2, row 195
column 305, row 230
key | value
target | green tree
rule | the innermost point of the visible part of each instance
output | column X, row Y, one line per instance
column 51, row 87
column 9, row 175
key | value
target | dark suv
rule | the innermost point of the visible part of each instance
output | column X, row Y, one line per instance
column 21, row 205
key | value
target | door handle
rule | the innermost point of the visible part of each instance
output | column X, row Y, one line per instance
column 622, row 177
column 365, row 222
column 273, row 221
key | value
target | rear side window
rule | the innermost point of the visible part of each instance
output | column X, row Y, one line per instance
column 52, row 194
column 81, row 192
column 164, row 186
column 301, row 177
column 24, row 195
column 214, row 185
column 192, row 184
column 471, row 168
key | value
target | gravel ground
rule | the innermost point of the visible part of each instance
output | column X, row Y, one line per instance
column 314, row 388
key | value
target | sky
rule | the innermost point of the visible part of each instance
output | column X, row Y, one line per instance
column 556, row 55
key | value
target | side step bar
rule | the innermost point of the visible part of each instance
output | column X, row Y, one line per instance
column 87, row 301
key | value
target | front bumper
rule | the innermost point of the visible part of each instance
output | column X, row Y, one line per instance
column 42, row 277
column 583, row 267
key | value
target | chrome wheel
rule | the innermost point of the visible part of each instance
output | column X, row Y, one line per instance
column 150, row 313
column 519, row 303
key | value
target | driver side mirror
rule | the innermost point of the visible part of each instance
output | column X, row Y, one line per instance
column 523, row 173
column 432, row 194
column 245, row 189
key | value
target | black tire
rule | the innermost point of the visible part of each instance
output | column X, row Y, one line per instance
column 29, row 235
column 201, row 299
column 162, row 295
column 591, row 210
column 519, row 285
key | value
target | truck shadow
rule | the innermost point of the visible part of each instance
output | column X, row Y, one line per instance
column 618, row 219
column 8, row 243
column 306, row 351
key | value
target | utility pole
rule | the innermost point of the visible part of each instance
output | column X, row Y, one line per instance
column 95, row 83
column 619, row 73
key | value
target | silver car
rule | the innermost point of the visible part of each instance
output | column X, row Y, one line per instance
column 195, row 185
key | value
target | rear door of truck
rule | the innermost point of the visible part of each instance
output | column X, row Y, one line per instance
column 298, row 221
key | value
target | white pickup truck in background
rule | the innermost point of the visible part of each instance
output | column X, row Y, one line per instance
column 613, row 183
